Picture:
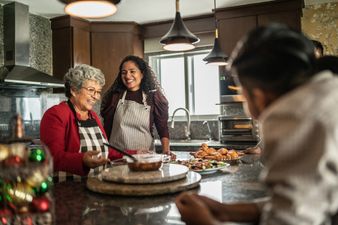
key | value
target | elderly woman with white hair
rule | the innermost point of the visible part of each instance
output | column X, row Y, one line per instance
column 72, row 130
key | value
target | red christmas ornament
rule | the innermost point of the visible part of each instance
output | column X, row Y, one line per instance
column 13, row 160
column 27, row 221
column 41, row 204
column 5, row 212
column 4, row 220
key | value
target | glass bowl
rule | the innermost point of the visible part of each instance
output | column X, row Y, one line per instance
column 145, row 162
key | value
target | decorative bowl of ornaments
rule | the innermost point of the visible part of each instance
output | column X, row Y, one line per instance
column 25, row 183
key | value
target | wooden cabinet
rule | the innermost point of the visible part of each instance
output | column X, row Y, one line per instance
column 231, row 30
column 110, row 43
column 71, row 43
column 235, row 22
column 290, row 18
column 100, row 44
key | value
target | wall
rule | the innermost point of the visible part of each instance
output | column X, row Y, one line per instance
column 320, row 22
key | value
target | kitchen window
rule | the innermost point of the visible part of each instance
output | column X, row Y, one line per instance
column 188, row 82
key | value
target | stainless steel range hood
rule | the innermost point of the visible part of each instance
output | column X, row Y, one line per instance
column 16, row 70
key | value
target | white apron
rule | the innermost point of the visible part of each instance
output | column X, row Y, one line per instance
column 131, row 125
column 91, row 139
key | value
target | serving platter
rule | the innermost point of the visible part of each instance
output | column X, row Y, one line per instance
column 210, row 170
column 97, row 184
column 203, row 166
column 122, row 174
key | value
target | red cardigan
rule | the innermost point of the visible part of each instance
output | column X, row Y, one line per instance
column 59, row 132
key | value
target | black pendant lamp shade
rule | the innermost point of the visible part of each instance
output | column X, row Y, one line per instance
column 178, row 38
column 216, row 56
column 90, row 8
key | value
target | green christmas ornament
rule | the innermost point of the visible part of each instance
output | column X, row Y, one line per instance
column 37, row 155
column 43, row 187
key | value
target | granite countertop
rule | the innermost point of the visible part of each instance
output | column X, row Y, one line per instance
column 75, row 204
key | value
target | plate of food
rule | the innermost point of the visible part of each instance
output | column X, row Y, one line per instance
column 210, row 170
column 230, row 156
column 203, row 166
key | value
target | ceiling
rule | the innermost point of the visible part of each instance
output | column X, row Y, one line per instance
column 140, row 11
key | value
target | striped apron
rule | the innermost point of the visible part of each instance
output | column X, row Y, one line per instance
column 91, row 139
column 131, row 125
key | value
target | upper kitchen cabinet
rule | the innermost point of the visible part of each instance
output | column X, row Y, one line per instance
column 110, row 43
column 232, row 29
column 71, row 43
column 100, row 44
column 235, row 22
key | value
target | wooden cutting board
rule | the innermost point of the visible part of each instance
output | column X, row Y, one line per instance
column 96, row 184
column 122, row 174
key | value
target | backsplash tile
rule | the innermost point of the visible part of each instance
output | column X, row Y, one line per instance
column 41, row 43
column 197, row 128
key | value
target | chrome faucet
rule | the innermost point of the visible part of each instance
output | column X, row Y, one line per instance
column 209, row 130
column 187, row 128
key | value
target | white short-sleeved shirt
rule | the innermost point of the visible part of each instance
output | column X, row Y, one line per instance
column 301, row 154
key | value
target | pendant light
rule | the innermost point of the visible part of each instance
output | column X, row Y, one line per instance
column 90, row 9
column 216, row 56
column 178, row 38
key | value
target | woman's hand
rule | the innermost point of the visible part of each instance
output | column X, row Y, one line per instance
column 171, row 155
column 194, row 211
column 253, row 150
column 92, row 160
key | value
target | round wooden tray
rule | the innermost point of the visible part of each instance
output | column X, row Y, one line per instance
column 96, row 184
column 122, row 174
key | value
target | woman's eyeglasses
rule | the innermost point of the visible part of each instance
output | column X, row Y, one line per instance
column 92, row 91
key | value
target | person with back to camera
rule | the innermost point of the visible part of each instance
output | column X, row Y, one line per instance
column 274, row 66
column 72, row 130
column 132, row 105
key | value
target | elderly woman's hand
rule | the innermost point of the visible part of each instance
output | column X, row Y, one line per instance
column 91, row 160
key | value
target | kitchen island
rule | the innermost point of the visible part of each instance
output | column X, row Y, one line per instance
column 75, row 204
